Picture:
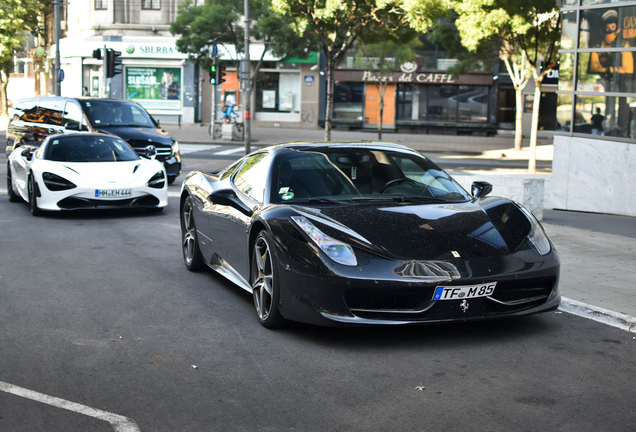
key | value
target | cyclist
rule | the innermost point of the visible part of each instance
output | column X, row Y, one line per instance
column 229, row 113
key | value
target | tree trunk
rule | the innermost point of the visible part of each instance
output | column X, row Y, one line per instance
column 518, row 118
column 330, row 87
column 381, row 91
column 519, row 82
column 4, row 103
column 532, row 161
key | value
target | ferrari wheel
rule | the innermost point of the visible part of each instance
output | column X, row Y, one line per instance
column 13, row 197
column 33, row 199
column 190, row 245
column 265, row 284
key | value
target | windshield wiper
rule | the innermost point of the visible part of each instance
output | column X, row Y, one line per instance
column 314, row 201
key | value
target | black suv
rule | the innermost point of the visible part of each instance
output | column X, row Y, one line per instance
column 34, row 119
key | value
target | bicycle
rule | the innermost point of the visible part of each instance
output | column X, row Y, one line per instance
column 238, row 132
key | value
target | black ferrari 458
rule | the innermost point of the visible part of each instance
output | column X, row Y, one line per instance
column 365, row 233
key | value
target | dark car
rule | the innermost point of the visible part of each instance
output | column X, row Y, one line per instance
column 368, row 233
column 36, row 118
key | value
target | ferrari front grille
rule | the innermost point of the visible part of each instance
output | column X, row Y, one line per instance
column 514, row 293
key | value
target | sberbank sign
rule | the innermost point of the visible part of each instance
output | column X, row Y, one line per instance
column 158, row 50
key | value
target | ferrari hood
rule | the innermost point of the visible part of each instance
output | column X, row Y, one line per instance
column 408, row 231
column 107, row 172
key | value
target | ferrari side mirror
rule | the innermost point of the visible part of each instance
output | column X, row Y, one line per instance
column 227, row 197
column 480, row 189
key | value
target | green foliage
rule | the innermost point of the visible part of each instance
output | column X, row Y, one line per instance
column 18, row 18
column 336, row 24
column 384, row 50
column 446, row 34
column 533, row 27
column 221, row 22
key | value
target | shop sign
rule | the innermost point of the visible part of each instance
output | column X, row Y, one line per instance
column 154, row 88
column 419, row 77
column 432, row 78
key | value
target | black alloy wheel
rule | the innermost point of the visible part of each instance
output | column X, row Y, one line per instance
column 33, row 199
column 190, row 245
column 265, row 284
column 13, row 197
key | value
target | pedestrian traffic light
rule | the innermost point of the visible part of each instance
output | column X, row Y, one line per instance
column 213, row 73
column 220, row 73
column 113, row 63
column 97, row 53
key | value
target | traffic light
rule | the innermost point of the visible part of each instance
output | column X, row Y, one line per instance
column 220, row 73
column 213, row 73
column 97, row 53
column 113, row 63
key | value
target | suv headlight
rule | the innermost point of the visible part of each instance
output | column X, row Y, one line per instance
column 54, row 182
column 537, row 236
column 157, row 181
column 175, row 149
column 338, row 251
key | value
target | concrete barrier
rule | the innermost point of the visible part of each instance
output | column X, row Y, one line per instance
column 527, row 189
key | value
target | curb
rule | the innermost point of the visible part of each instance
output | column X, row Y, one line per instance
column 595, row 313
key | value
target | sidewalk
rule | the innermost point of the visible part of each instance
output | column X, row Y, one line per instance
column 264, row 136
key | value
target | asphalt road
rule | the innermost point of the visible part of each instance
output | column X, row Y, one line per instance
column 97, row 308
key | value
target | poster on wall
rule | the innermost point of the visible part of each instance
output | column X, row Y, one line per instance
column 286, row 101
column 269, row 98
column 154, row 88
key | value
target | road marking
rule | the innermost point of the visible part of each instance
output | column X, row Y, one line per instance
column 193, row 148
column 119, row 423
column 595, row 313
column 230, row 151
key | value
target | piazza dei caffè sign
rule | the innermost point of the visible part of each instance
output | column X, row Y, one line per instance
column 409, row 74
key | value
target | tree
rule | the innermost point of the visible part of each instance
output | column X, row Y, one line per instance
column 221, row 22
column 337, row 24
column 445, row 33
column 529, row 28
column 384, row 52
column 18, row 18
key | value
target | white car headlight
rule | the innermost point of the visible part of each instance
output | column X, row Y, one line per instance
column 537, row 236
column 175, row 148
column 338, row 251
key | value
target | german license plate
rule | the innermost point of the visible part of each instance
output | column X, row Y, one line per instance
column 464, row 292
column 112, row 193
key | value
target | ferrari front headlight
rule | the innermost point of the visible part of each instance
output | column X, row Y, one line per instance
column 340, row 252
column 537, row 236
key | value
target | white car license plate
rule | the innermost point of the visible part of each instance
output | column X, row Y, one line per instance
column 464, row 292
column 112, row 193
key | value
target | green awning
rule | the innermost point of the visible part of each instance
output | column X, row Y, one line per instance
column 313, row 58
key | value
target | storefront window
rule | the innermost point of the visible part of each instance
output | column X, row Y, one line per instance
column 591, row 2
column 278, row 92
column 564, row 112
column 606, row 72
column 442, row 103
column 608, row 28
column 605, row 115
column 566, row 71
column 348, row 101
column 569, row 30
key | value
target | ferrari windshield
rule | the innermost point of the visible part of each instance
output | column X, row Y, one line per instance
column 89, row 148
column 116, row 113
column 337, row 174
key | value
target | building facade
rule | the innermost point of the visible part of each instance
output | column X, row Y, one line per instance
column 595, row 144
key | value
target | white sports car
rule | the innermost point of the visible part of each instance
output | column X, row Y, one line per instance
column 86, row 171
